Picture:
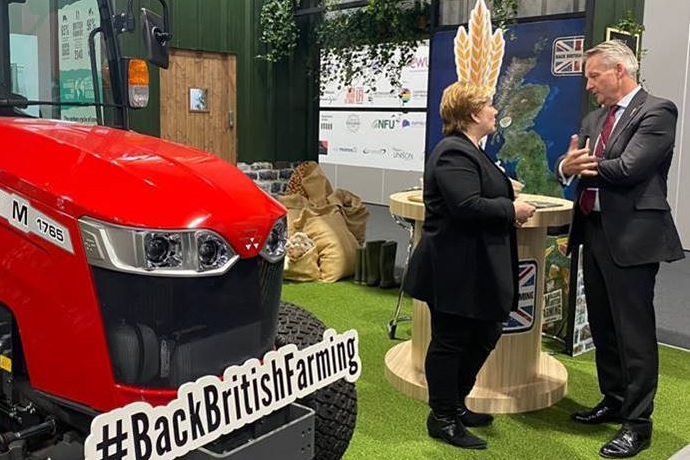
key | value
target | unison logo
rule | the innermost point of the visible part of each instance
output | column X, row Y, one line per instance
column 403, row 155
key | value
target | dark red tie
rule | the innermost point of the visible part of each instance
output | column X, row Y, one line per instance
column 588, row 195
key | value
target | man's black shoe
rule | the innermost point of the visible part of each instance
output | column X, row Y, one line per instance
column 470, row 418
column 628, row 442
column 601, row 413
column 448, row 430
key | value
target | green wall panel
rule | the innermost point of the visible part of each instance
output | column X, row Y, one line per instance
column 228, row 26
column 276, row 104
column 608, row 12
column 600, row 15
column 212, row 25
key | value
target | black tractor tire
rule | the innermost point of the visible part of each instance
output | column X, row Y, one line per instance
column 336, row 404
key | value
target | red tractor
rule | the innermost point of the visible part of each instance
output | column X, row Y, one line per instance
column 129, row 265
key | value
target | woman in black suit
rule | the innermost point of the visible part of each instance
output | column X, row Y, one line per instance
column 465, row 264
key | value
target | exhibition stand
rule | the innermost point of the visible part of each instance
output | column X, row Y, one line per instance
column 518, row 376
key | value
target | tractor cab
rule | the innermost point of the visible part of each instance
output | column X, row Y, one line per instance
column 61, row 59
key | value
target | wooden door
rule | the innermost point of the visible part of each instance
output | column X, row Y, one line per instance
column 198, row 101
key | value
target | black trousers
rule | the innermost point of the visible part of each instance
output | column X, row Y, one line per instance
column 458, row 349
column 620, row 306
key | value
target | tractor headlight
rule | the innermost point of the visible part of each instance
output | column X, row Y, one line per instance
column 162, row 250
column 156, row 252
column 213, row 252
column 274, row 249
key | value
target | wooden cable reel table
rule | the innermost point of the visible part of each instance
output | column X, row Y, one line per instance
column 518, row 376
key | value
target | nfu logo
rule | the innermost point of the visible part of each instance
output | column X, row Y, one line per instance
column 388, row 123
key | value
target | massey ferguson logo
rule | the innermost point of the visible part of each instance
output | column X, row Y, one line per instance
column 250, row 241
column 567, row 55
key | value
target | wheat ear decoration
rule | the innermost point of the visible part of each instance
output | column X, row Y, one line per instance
column 462, row 55
column 479, row 41
column 495, row 59
column 478, row 53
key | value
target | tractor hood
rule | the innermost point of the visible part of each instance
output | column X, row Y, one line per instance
column 131, row 179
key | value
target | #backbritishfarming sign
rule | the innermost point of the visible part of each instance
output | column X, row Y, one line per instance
column 211, row 406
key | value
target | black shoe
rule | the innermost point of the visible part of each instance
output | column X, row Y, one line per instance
column 601, row 413
column 628, row 442
column 470, row 418
column 448, row 430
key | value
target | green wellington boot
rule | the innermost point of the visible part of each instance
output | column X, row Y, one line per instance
column 387, row 265
column 372, row 256
column 359, row 266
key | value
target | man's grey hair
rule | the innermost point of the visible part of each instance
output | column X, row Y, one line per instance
column 614, row 51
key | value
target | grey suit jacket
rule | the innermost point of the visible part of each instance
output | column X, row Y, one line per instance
column 632, row 181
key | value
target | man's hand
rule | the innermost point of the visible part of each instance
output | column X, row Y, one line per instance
column 579, row 161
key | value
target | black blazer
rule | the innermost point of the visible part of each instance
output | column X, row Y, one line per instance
column 466, row 260
column 632, row 181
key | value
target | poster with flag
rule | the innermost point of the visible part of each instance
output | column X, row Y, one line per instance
column 523, row 319
column 567, row 55
column 541, row 73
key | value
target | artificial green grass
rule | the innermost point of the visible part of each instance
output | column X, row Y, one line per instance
column 391, row 425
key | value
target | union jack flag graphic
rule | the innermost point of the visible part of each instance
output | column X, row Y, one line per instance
column 522, row 320
column 567, row 55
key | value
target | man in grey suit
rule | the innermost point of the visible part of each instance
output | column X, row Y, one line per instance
column 621, row 160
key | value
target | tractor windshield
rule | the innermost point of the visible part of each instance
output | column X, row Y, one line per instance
column 53, row 60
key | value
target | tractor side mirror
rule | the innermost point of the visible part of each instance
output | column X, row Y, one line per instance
column 156, row 34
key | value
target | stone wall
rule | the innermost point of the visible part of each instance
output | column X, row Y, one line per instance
column 271, row 177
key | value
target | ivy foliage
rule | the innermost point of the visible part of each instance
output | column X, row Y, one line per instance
column 504, row 13
column 278, row 30
column 360, row 44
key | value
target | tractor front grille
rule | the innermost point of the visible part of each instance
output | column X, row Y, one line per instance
column 164, row 331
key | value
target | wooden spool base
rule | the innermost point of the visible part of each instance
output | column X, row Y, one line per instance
column 547, row 387
column 518, row 376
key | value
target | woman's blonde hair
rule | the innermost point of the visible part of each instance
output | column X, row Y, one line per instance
column 459, row 101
